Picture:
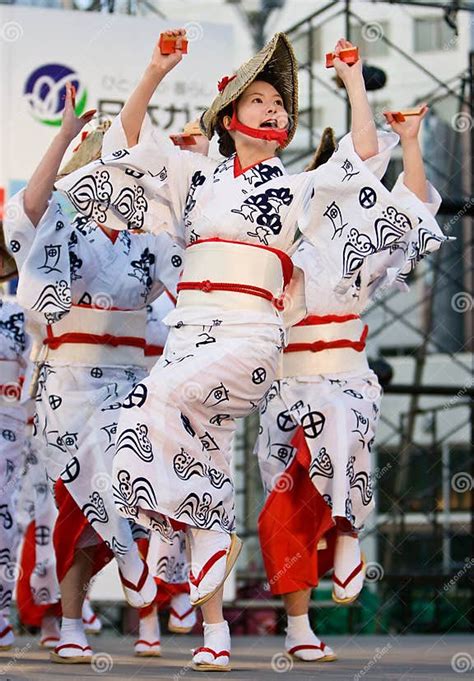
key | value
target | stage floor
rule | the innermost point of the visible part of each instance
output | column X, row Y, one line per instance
column 380, row 658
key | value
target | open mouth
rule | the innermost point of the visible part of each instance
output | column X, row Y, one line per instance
column 271, row 123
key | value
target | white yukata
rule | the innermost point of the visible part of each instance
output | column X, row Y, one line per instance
column 14, row 348
column 64, row 266
column 168, row 561
column 173, row 447
column 336, row 412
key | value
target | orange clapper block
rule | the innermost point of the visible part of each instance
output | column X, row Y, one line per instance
column 349, row 56
column 167, row 44
column 185, row 140
column 400, row 116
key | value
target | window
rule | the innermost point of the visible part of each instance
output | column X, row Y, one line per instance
column 309, row 41
column 369, row 38
column 433, row 33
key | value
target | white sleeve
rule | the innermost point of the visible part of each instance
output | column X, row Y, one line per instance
column 401, row 191
column 347, row 207
column 377, row 165
column 42, row 257
column 115, row 137
column 144, row 187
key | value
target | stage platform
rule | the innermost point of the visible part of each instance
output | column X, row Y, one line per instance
column 361, row 658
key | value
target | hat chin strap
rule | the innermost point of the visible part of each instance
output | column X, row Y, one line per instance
column 268, row 134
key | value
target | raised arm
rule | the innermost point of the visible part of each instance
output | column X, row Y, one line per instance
column 41, row 184
column 133, row 113
column 414, row 176
column 363, row 130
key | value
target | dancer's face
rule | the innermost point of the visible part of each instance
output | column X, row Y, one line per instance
column 261, row 106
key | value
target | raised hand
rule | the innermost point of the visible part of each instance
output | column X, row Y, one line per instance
column 343, row 70
column 410, row 127
column 72, row 124
column 164, row 63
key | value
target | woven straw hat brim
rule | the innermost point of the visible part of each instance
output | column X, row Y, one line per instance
column 277, row 64
column 192, row 128
column 88, row 150
column 326, row 147
column 8, row 268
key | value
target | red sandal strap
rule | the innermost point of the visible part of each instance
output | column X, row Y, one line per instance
column 183, row 616
column 49, row 638
column 91, row 620
column 150, row 644
column 353, row 574
column 213, row 652
column 205, row 569
column 72, row 645
column 307, row 647
column 135, row 587
column 6, row 630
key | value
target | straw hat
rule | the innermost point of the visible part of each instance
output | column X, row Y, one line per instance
column 327, row 146
column 88, row 150
column 275, row 63
column 192, row 128
column 8, row 268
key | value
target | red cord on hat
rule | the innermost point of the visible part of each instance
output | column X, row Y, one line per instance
column 222, row 84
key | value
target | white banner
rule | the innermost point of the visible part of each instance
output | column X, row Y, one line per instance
column 104, row 55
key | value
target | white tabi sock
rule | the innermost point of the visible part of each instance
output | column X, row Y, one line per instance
column 217, row 638
column 347, row 555
column 50, row 629
column 299, row 633
column 72, row 631
column 149, row 628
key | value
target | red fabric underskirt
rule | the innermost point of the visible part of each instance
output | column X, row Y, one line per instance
column 69, row 526
column 290, row 526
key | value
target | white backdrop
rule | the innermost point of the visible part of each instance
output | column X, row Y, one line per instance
column 106, row 55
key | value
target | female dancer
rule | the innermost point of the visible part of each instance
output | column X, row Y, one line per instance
column 317, row 423
column 168, row 562
column 91, row 288
column 14, row 348
column 172, row 463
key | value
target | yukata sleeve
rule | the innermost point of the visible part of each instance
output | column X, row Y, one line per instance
column 346, row 206
column 392, row 266
column 142, row 187
column 42, row 257
column 168, row 265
